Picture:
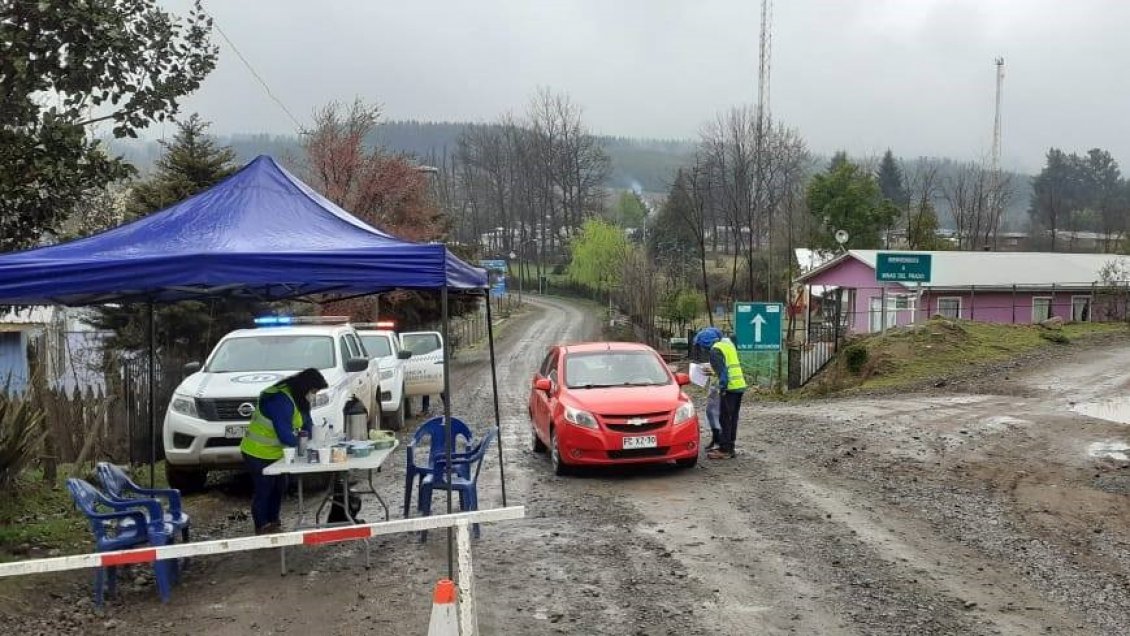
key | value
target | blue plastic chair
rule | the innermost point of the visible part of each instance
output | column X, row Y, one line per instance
column 463, row 480
column 432, row 429
column 119, row 486
column 127, row 524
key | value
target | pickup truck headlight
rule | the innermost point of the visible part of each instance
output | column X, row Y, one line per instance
column 184, row 405
column 684, row 413
column 322, row 398
column 386, row 374
column 584, row 419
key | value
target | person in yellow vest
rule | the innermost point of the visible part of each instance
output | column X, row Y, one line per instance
column 282, row 411
column 727, row 368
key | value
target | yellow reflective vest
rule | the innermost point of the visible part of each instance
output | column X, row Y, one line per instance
column 735, row 379
column 261, row 440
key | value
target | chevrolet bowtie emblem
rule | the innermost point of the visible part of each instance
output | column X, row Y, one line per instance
column 637, row 421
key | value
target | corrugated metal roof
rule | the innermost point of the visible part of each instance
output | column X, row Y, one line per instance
column 1005, row 269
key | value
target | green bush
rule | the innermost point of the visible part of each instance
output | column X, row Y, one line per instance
column 21, row 433
column 855, row 357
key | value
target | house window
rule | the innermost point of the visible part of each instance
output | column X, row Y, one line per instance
column 949, row 307
column 902, row 302
column 1041, row 308
column 1081, row 309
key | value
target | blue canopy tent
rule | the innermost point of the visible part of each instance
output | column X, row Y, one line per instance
column 260, row 234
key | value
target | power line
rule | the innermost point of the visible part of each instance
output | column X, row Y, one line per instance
column 254, row 73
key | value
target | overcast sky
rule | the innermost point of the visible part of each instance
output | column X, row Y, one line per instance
column 913, row 75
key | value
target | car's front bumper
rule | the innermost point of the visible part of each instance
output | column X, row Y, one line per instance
column 584, row 446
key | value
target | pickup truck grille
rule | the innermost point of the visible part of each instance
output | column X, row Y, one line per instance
column 223, row 410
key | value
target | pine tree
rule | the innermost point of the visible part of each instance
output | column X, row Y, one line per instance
column 838, row 159
column 670, row 240
column 186, row 330
column 891, row 182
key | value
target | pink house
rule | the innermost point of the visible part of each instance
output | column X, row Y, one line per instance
column 1003, row 287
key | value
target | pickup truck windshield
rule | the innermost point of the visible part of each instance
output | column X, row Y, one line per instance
column 421, row 344
column 273, row 353
column 377, row 346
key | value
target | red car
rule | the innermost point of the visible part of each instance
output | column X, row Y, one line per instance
column 611, row 403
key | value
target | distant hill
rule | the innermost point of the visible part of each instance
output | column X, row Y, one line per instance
column 648, row 164
column 645, row 164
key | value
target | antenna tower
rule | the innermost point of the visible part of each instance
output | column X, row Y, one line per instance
column 762, row 128
column 995, row 193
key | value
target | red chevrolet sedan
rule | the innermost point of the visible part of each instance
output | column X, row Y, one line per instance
column 611, row 403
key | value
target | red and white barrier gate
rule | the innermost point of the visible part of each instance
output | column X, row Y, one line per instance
column 461, row 521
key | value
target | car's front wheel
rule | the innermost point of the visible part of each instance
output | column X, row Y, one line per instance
column 560, row 468
column 395, row 421
column 536, row 444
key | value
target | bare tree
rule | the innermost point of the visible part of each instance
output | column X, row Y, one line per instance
column 750, row 187
column 975, row 200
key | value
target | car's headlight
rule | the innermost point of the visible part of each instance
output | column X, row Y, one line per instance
column 386, row 374
column 684, row 413
column 584, row 419
column 322, row 398
column 184, row 405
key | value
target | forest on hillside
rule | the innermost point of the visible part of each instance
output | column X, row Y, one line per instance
column 647, row 165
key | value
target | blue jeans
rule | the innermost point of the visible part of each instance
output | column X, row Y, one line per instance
column 266, row 500
column 713, row 411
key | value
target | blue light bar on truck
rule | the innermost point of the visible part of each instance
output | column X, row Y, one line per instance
column 281, row 321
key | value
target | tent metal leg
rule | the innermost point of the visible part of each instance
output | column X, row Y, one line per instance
column 152, row 396
column 447, row 426
column 494, row 386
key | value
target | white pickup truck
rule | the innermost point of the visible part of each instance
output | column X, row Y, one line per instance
column 423, row 372
column 383, row 345
column 210, row 410
column 411, row 365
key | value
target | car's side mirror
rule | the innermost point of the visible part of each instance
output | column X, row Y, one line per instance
column 356, row 365
column 543, row 384
column 403, row 354
column 192, row 367
column 682, row 379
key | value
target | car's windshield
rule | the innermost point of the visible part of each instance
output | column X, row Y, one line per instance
column 420, row 343
column 273, row 353
column 376, row 345
column 614, row 368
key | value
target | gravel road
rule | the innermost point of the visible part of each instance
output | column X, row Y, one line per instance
column 968, row 512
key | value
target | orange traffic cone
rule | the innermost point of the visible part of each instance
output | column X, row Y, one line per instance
column 444, row 620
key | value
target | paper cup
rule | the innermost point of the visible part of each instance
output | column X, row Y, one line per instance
column 288, row 455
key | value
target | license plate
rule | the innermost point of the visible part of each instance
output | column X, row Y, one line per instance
column 644, row 441
column 235, row 432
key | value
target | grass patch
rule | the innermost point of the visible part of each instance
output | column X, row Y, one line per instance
column 37, row 517
column 941, row 349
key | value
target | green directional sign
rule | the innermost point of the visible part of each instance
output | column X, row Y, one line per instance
column 757, row 326
column 902, row 267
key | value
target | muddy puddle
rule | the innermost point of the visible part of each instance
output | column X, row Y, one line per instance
column 1110, row 409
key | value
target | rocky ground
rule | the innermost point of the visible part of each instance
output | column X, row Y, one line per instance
column 988, row 506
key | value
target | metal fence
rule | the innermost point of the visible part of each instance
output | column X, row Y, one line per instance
column 95, row 400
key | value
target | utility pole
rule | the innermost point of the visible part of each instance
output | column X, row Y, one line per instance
column 765, row 54
column 995, row 193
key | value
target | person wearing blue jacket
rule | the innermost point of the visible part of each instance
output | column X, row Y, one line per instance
column 282, row 411
column 726, row 366
column 703, row 340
